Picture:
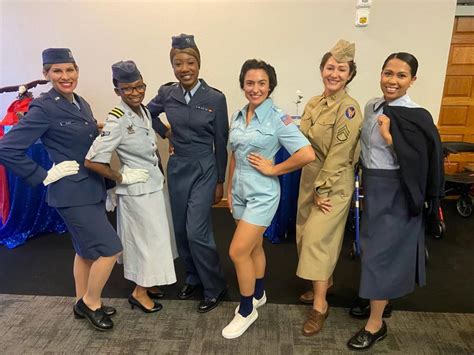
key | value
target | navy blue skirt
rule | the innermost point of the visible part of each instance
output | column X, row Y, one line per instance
column 92, row 234
column 391, row 240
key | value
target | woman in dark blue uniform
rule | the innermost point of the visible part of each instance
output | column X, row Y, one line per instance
column 64, row 122
column 400, row 153
column 197, row 114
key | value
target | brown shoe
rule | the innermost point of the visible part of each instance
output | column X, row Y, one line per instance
column 307, row 297
column 315, row 322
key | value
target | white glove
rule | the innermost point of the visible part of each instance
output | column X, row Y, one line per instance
column 65, row 168
column 133, row 176
column 111, row 200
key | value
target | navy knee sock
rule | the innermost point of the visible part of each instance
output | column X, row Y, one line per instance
column 259, row 288
column 246, row 305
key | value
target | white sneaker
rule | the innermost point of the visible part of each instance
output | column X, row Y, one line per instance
column 256, row 303
column 239, row 325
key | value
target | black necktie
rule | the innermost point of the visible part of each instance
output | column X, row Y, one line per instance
column 188, row 95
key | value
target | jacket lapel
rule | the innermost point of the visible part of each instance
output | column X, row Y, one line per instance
column 177, row 94
column 200, row 96
column 64, row 105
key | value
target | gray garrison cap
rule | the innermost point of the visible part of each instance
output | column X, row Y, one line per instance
column 125, row 71
column 183, row 41
column 57, row 55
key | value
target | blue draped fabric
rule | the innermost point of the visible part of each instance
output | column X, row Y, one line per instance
column 29, row 215
column 284, row 222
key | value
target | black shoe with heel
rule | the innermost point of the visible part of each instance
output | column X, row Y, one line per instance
column 360, row 309
column 156, row 295
column 364, row 339
column 98, row 319
column 108, row 310
column 134, row 302
column 209, row 304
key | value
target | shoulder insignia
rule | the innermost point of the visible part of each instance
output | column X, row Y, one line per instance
column 350, row 112
column 343, row 133
column 170, row 83
column 286, row 119
column 116, row 112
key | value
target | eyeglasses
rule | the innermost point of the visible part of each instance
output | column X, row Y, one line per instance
column 128, row 90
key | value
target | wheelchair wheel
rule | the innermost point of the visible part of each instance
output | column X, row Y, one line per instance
column 441, row 231
column 464, row 206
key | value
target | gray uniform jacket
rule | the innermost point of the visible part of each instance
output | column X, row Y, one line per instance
column 199, row 128
column 135, row 142
column 67, row 133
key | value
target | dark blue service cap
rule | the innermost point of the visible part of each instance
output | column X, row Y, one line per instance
column 125, row 71
column 57, row 55
column 183, row 41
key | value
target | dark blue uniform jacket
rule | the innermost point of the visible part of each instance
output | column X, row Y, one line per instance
column 67, row 133
column 199, row 128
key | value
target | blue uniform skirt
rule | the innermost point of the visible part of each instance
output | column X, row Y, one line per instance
column 391, row 240
column 92, row 234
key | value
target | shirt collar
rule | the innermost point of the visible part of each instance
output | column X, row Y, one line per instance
column 401, row 101
column 260, row 111
column 194, row 89
column 332, row 99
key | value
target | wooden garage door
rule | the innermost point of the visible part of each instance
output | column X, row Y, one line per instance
column 456, row 121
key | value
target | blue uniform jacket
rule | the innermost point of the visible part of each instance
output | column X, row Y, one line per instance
column 199, row 128
column 67, row 133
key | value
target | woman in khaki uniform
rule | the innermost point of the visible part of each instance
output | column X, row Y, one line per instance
column 331, row 122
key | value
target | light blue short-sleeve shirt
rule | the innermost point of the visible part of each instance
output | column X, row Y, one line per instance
column 255, row 196
column 375, row 152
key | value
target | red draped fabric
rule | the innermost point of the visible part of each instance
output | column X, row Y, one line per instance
column 10, row 119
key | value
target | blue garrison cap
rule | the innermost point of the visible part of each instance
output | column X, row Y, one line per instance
column 57, row 55
column 125, row 71
column 183, row 41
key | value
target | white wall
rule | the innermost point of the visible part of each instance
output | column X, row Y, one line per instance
column 291, row 35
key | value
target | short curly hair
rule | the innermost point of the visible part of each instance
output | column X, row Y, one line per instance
column 258, row 64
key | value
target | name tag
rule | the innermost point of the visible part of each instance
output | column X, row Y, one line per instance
column 66, row 123
column 207, row 109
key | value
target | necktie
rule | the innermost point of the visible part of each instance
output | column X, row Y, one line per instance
column 187, row 96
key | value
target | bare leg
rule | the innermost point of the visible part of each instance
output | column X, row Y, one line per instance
column 81, row 270
column 258, row 259
column 99, row 274
column 376, row 311
column 246, row 239
column 320, row 289
column 140, row 293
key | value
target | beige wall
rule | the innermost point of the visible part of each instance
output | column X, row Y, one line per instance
column 291, row 35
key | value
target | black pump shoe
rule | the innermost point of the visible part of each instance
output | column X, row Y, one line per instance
column 360, row 309
column 98, row 319
column 108, row 310
column 364, row 339
column 156, row 295
column 134, row 302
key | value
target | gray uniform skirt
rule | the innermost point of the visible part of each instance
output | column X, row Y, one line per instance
column 391, row 241
column 92, row 234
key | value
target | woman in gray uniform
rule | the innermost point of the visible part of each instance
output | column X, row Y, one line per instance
column 392, row 230
column 197, row 114
column 64, row 122
column 143, row 220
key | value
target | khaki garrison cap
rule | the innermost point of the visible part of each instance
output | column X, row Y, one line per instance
column 343, row 51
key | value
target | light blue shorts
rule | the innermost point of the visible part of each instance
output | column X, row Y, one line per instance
column 255, row 202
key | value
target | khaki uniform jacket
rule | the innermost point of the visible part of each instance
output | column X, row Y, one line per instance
column 332, row 124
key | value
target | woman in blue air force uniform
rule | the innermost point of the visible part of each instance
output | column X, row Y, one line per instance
column 197, row 114
column 64, row 122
